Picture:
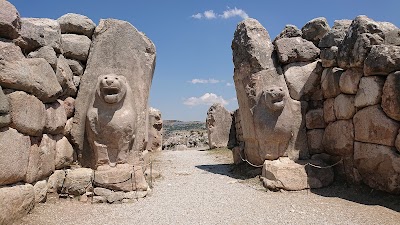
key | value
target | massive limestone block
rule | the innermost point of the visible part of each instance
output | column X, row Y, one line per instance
column 288, row 32
column 9, row 51
column 46, row 53
column 5, row 118
column 256, row 72
column 315, row 119
column 77, row 181
column 369, row 91
column 64, row 152
column 361, row 35
column 56, row 181
column 117, row 48
column 76, row 66
column 382, row 60
column 39, row 32
column 314, row 138
column 69, row 106
column 16, row 202
column 335, row 35
column 296, row 50
column 371, row 125
column 293, row 176
column 75, row 46
column 34, row 76
column 329, row 110
column 391, row 96
column 315, row 29
column 330, row 82
column 41, row 158
column 379, row 166
column 328, row 56
column 155, row 130
column 40, row 189
column 55, row 117
column 65, row 77
column 76, row 24
column 218, row 122
column 349, row 80
column 10, row 22
column 339, row 137
column 303, row 79
column 344, row 107
column 28, row 114
column 14, row 148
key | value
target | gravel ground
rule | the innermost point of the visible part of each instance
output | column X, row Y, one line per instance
column 198, row 188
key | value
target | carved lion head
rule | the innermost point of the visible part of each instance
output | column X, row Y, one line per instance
column 274, row 97
column 111, row 88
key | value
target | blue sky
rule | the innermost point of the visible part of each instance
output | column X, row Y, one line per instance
column 193, row 38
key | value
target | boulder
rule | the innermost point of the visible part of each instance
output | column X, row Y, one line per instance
column 5, row 118
column 69, row 106
column 117, row 48
column 393, row 37
column 328, row 56
column 329, row 110
column 379, row 166
column 339, row 137
column 40, row 189
column 369, row 91
column 46, row 53
column 10, row 21
column 56, row 181
column 390, row 96
column 77, row 181
column 65, row 77
column 64, row 153
column 218, row 123
column 344, row 107
column 75, row 46
column 41, row 158
column 28, row 114
column 361, row 35
column 330, row 82
column 349, row 80
column 315, row 119
column 34, row 76
column 314, row 138
column 39, row 32
column 382, row 60
column 371, row 125
column 315, row 29
column 296, row 49
column 76, row 67
column 9, row 51
column 14, row 148
column 335, row 35
column 293, row 176
column 102, row 191
column 76, row 24
column 56, row 117
column 303, row 79
column 155, row 130
column 397, row 142
column 16, row 202
column 288, row 32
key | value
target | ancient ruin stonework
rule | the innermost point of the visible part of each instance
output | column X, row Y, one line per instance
column 218, row 122
column 155, row 130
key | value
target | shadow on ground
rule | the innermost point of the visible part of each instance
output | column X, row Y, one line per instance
column 240, row 172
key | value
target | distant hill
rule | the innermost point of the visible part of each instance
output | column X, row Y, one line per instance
column 171, row 126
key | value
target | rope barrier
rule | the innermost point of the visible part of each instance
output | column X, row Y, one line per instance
column 251, row 164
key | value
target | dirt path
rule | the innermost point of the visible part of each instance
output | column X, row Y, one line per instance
column 197, row 188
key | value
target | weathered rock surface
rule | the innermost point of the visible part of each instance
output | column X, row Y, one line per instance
column 382, row 60
column 5, row 118
column 56, row 118
column 10, row 21
column 390, row 96
column 28, row 114
column 315, row 119
column 75, row 46
column 369, row 91
column 303, row 79
column 371, row 125
column 41, row 158
column 155, row 130
column 39, row 32
column 328, row 56
column 56, row 181
column 77, row 181
column 330, row 82
column 314, row 138
column 292, row 176
column 9, row 51
column 296, row 50
column 34, row 76
column 40, row 189
column 339, row 137
column 329, row 110
column 335, row 35
column 16, row 202
column 76, row 67
column 46, row 53
column 69, row 106
column 14, row 148
column 349, row 80
column 123, row 177
column 218, row 122
column 315, row 29
column 379, row 166
column 117, row 48
column 288, row 32
column 344, row 107
column 64, row 153
column 65, row 77
column 76, row 24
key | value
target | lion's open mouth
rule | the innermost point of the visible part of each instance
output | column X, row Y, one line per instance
column 111, row 90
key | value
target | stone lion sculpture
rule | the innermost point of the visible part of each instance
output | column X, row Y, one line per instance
column 110, row 121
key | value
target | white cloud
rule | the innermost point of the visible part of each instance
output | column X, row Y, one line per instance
column 229, row 13
column 234, row 12
column 203, row 81
column 206, row 99
column 229, row 84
